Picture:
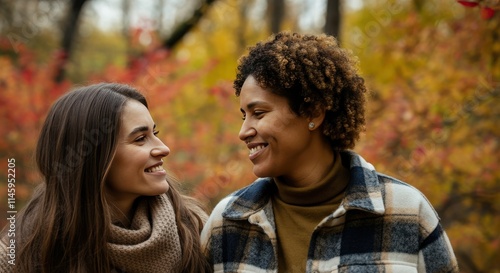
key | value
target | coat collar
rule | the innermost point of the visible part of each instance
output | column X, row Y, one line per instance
column 364, row 191
column 250, row 199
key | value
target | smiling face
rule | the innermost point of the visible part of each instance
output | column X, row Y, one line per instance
column 279, row 142
column 136, row 169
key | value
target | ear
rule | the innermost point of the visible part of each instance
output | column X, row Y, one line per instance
column 316, row 119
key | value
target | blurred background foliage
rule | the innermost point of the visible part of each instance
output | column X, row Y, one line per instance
column 432, row 69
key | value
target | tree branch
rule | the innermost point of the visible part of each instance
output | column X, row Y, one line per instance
column 186, row 26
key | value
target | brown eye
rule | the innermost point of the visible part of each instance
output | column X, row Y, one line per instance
column 258, row 114
column 140, row 139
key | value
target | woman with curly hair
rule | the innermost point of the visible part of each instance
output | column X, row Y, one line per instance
column 106, row 203
column 317, row 206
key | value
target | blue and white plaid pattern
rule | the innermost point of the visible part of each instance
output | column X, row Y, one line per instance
column 382, row 225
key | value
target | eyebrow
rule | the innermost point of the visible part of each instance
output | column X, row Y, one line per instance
column 252, row 105
column 140, row 129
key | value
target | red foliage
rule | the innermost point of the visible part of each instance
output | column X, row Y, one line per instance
column 468, row 4
column 28, row 89
column 487, row 11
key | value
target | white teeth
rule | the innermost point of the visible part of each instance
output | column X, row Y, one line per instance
column 154, row 169
column 256, row 149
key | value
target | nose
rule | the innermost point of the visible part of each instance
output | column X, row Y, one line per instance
column 247, row 131
column 160, row 149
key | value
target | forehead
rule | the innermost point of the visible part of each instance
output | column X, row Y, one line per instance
column 252, row 94
column 135, row 114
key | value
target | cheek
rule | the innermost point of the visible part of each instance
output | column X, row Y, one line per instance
column 292, row 126
column 281, row 124
column 116, row 172
column 127, row 158
column 120, row 166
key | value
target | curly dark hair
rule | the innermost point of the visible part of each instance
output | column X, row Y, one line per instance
column 314, row 74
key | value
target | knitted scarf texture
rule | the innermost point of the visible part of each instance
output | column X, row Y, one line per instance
column 151, row 244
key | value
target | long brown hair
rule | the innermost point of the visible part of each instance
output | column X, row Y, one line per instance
column 65, row 226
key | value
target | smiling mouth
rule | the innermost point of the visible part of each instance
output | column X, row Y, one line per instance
column 154, row 169
column 256, row 149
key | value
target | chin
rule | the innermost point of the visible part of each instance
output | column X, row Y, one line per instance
column 165, row 189
column 261, row 172
column 161, row 190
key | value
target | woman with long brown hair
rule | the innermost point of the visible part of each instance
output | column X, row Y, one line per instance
column 106, row 203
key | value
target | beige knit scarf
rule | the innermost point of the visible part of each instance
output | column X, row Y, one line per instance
column 151, row 244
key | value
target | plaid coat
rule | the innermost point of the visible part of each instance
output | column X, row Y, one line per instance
column 382, row 225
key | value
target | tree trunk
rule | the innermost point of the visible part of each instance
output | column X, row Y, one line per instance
column 70, row 30
column 333, row 18
column 126, row 25
column 494, row 26
column 241, row 31
column 6, row 15
column 160, row 7
column 275, row 13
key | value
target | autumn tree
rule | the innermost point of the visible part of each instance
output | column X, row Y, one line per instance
column 432, row 114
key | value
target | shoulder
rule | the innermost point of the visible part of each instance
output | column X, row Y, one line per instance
column 404, row 198
column 215, row 220
column 249, row 198
column 256, row 189
column 241, row 203
column 396, row 193
column 401, row 191
column 221, row 207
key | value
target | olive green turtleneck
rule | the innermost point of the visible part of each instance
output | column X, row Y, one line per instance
column 297, row 211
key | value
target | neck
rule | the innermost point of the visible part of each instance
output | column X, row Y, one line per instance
column 313, row 167
column 122, row 211
column 328, row 190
